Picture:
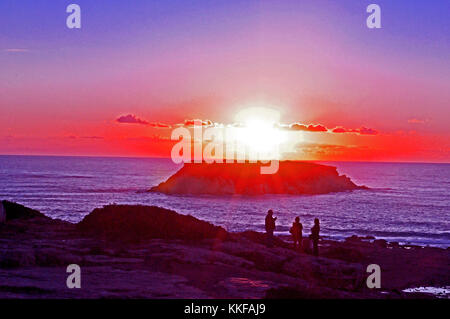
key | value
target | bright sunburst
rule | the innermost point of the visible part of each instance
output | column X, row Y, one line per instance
column 259, row 133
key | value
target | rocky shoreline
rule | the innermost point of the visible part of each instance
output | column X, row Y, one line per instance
column 150, row 252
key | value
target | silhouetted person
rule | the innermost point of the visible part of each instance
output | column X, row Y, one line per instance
column 315, row 236
column 270, row 226
column 297, row 232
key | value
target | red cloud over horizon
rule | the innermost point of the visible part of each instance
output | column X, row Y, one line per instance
column 133, row 119
column 307, row 128
column 196, row 122
column 362, row 130
column 321, row 128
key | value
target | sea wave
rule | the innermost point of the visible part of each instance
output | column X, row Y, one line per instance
column 382, row 233
column 50, row 175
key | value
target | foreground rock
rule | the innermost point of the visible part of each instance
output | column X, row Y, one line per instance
column 10, row 211
column 245, row 178
column 2, row 214
column 124, row 222
column 122, row 255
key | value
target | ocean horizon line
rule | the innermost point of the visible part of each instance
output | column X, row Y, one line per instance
column 166, row 157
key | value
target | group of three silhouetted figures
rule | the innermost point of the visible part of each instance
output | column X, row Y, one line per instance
column 296, row 231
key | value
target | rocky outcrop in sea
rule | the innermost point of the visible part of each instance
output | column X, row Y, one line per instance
column 292, row 177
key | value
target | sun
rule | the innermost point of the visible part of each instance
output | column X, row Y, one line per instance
column 258, row 132
column 261, row 137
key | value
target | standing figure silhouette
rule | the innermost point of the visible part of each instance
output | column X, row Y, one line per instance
column 270, row 226
column 315, row 236
column 297, row 232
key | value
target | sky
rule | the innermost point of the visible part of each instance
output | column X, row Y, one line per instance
column 138, row 69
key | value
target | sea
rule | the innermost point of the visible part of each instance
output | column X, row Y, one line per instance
column 407, row 203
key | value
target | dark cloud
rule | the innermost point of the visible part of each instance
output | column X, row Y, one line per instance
column 322, row 128
column 131, row 119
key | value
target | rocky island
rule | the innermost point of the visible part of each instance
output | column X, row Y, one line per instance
column 292, row 177
column 151, row 252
